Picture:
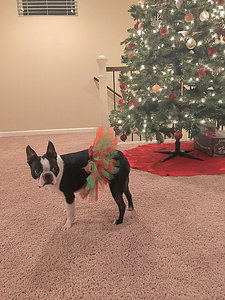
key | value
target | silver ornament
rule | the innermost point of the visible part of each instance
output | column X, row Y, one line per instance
column 183, row 32
column 156, row 21
column 204, row 16
column 191, row 43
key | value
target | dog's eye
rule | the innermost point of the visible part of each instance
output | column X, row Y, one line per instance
column 37, row 172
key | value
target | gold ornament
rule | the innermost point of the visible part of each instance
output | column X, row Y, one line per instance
column 216, row 71
column 156, row 88
column 131, row 54
column 188, row 17
column 191, row 43
column 204, row 16
column 140, row 26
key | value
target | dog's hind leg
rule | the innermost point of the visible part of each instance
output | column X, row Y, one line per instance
column 128, row 195
column 117, row 195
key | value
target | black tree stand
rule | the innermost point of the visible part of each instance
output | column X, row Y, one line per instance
column 178, row 152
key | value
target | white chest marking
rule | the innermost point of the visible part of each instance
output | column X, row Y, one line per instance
column 58, row 179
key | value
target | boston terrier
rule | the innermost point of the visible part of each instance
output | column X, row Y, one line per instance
column 66, row 174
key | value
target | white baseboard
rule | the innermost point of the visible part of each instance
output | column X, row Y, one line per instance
column 45, row 131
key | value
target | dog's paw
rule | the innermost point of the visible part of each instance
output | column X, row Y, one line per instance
column 130, row 208
column 67, row 226
column 117, row 222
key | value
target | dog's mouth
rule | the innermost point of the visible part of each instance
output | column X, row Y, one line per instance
column 46, row 179
column 47, row 183
column 44, row 184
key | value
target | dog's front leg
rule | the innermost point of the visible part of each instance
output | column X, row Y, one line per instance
column 69, row 216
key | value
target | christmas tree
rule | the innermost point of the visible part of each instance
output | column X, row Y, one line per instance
column 174, row 77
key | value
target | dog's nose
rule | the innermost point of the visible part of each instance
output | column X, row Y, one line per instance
column 48, row 178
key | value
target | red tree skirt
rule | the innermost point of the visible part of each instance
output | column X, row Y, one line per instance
column 144, row 158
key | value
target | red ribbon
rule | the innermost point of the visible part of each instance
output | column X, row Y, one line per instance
column 90, row 153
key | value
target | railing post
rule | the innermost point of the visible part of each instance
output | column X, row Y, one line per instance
column 101, row 60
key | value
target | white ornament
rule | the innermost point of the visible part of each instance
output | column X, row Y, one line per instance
column 191, row 43
column 141, row 2
column 178, row 3
column 204, row 16
column 183, row 32
column 196, row 32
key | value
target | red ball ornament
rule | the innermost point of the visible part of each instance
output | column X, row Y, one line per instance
column 123, row 137
column 178, row 135
column 212, row 51
column 164, row 30
column 224, row 39
column 131, row 46
column 173, row 97
column 123, row 86
column 220, row 31
column 219, row 2
column 116, row 129
column 122, row 101
column 133, row 104
column 136, row 25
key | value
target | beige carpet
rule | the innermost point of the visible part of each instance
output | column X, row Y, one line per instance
column 171, row 247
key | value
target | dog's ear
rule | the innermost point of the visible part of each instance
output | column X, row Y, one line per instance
column 51, row 150
column 31, row 154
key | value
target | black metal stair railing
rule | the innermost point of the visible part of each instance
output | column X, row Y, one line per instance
column 115, row 94
column 113, row 90
column 113, row 70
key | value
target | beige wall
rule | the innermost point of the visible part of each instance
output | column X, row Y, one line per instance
column 48, row 64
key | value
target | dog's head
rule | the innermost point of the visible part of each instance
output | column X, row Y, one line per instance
column 45, row 169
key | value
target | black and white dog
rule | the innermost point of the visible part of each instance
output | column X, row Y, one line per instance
column 65, row 174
